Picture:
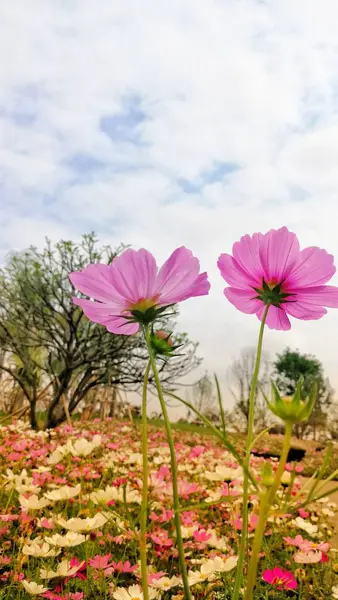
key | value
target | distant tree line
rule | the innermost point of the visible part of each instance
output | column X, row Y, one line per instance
column 285, row 370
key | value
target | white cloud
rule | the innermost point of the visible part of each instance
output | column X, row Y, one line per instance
column 251, row 83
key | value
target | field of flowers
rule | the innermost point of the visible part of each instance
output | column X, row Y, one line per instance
column 69, row 524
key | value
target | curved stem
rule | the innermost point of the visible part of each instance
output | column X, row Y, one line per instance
column 246, row 462
column 266, row 503
column 180, row 546
column 145, row 477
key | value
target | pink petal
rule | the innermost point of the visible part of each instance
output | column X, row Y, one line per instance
column 243, row 300
column 313, row 267
column 200, row 287
column 121, row 326
column 304, row 310
column 107, row 314
column 246, row 253
column 235, row 275
column 321, row 295
column 178, row 278
column 96, row 282
column 276, row 318
column 98, row 312
column 279, row 251
column 135, row 274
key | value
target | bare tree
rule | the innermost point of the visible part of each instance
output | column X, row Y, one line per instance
column 240, row 377
column 203, row 398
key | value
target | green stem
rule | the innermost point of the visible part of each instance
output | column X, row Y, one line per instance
column 145, row 478
column 180, row 546
column 246, row 462
column 265, row 505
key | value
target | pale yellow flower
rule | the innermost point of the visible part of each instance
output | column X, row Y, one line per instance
column 39, row 549
column 33, row 588
column 84, row 525
column 134, row 592
column 83, row 447
column 305, row 525
column 33, row 502
column 117, row 494
column 166, row 583
column 66, row 541
column 223, row 473
column 286, row 478
column 63, row 493
column 63, row 570
column 335, row 592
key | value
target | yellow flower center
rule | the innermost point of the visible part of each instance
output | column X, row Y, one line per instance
column 142, row 305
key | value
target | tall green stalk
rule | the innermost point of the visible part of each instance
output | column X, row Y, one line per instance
column 179, row 538
column 246, row 462
column 145, row 477
column 265, row 505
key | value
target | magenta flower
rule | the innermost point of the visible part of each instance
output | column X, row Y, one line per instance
column 283, row 580
column 271, row 269
column 132, row 287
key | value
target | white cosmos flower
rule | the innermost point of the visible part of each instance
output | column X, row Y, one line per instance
column 84, row 525
column 223, row 473
column 28, row 489
column 134, row 592
column 33, row 588
column 33, row 502
column 56, row 457
column 118, row 494
column 207, row 572
column 63, row 570
column 66, row 541
column 305, row 525
column 63, row 493
column 39, row 549
column 335, row 592
column 166, row 583
column 83, row 447
column 215, row 542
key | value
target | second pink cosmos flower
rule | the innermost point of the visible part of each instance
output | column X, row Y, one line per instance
column 270, row 269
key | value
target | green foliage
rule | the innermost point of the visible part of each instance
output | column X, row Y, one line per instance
column 290, row 366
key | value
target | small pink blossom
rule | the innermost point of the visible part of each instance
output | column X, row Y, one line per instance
column 100, row 562
column 283, row 580
column 161, row 538
column 201, row 535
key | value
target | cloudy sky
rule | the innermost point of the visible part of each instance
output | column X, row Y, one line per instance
column 167, row 123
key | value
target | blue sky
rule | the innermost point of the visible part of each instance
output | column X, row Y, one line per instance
column 162, row 124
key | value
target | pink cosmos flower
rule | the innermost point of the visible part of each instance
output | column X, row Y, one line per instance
column 201, row 535
column 134, row 283
column 101, row 562
column 125, row 567
column 271, row 269
column 283, row 580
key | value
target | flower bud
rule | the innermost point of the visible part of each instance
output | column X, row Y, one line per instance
column 267, row 474
column 292, row 409
column 162, row 343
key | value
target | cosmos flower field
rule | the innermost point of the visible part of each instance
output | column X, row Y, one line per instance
column 69, row 525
